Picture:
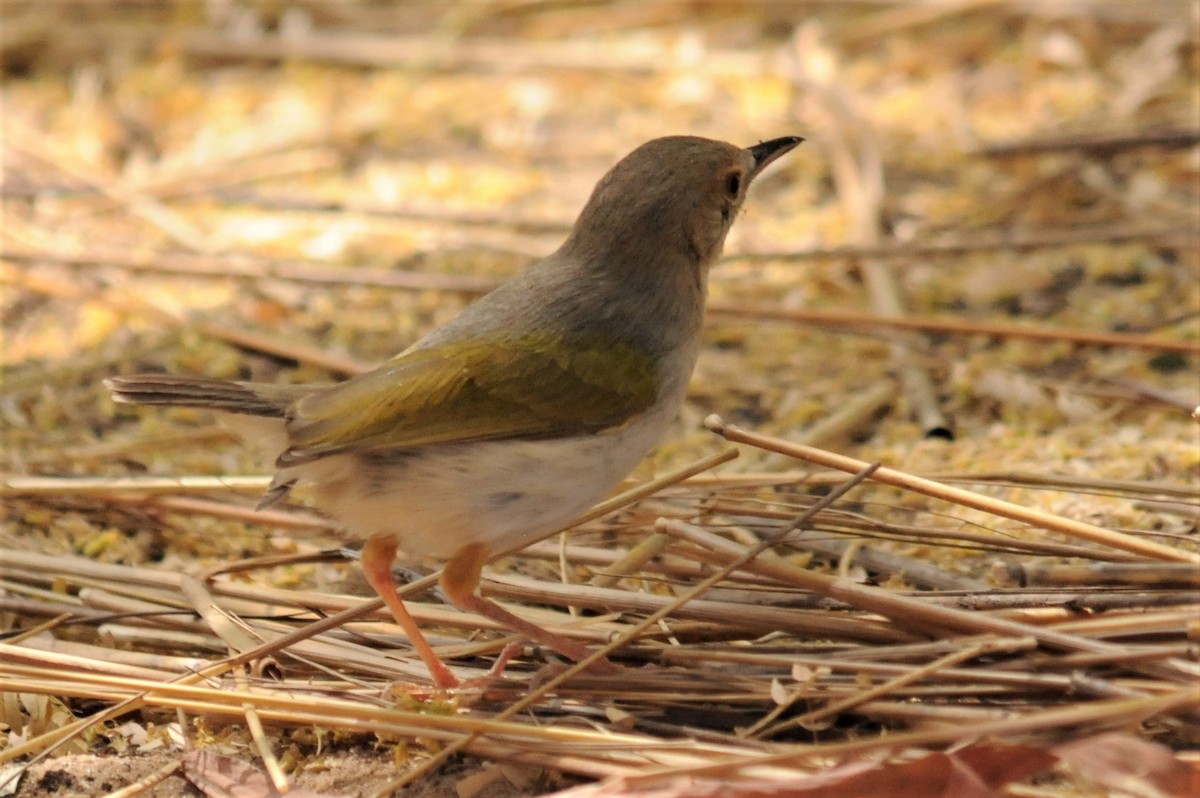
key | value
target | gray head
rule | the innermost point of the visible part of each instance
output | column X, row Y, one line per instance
column 678, row 193
column 636, row 262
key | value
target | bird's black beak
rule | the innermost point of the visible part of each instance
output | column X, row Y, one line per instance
column 766, row 152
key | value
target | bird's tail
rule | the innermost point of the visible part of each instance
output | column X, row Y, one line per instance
column 242, row 398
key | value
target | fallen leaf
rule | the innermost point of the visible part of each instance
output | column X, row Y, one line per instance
column 221, row 776
column 1131, row 765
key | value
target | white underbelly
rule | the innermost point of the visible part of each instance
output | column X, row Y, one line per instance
column 504, row 494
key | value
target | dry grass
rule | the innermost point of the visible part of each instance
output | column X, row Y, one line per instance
column 980, row 271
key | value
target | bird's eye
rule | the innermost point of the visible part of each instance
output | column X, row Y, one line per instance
column 733, row 184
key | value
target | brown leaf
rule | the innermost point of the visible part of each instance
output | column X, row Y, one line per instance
column 220, row 776
column 973, row 772
column 1132, row 765
column 997, row 764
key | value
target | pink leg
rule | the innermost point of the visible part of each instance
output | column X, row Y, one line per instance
column 460, row 578
column 377, row 557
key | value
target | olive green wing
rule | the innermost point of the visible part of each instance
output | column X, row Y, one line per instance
column 536, row 385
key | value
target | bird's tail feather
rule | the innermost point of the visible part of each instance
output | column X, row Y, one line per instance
column 244, row 398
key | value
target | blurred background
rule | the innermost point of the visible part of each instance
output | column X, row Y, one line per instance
column 297, row 190
column 982, row 263
column 344, row 175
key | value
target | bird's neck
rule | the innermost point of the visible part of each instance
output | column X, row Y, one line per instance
column 654, row 300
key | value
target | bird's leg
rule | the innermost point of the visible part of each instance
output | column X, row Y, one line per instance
column 376, row 559
column 459, row 580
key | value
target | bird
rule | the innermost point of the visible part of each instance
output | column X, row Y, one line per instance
column 513, row 418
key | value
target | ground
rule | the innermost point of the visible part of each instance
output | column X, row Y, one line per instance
column 980, row 268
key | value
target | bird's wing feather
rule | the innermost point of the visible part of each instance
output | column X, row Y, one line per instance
column 535, row 385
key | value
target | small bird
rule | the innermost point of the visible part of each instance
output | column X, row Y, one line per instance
column 512, row 419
